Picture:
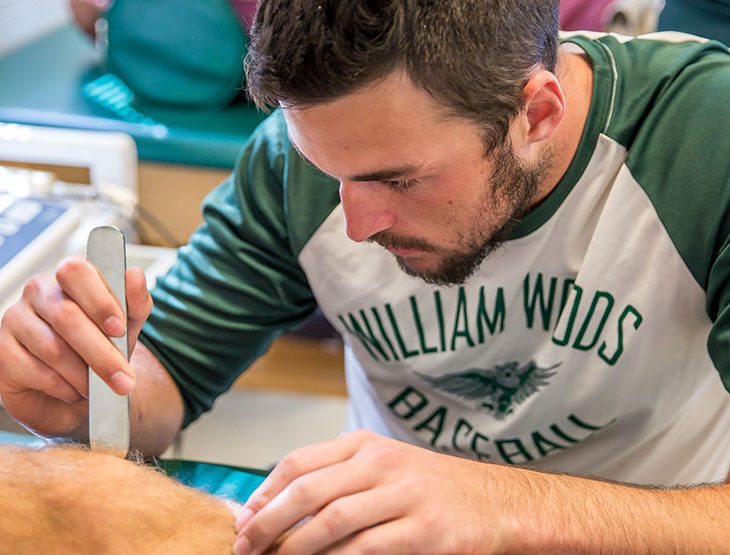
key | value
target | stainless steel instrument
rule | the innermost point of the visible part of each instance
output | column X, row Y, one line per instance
column 109, row 412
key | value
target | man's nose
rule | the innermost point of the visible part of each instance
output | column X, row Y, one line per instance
column 367, row 210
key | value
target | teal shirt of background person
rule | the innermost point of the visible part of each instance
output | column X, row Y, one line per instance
column 180, row 54
column 705, row 18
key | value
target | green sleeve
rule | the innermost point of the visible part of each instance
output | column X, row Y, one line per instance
column 680, row 157
column 681, row 160
column 237, row 285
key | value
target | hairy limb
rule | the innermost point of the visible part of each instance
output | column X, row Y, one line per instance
column 67, row 500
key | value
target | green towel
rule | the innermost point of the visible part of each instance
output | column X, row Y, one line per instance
column 221, row 480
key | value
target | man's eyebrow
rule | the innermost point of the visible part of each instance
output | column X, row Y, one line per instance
column 384, row 174
column 379, row 175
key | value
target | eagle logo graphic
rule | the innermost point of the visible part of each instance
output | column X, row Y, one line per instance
column 499, row 388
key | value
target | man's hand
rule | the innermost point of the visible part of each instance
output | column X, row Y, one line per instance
column 365, row 494
column 49, row 338
column 368, row 494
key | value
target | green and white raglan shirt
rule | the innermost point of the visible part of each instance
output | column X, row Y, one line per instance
column 594, row 342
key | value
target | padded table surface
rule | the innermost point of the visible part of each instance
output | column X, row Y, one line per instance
column 58, row 81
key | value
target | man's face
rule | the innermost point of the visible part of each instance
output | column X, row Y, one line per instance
column 416, row 182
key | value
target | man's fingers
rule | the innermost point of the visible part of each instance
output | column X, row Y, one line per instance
column 80, row 280
column 27, row 373
column 303, row 461
column 48, row 381
column 58, row 418
column 81, row 334
column 343, row 518
column 48, row 354
column 100, row 304
column 139, row 302
column 305, row 496
column 395, row 537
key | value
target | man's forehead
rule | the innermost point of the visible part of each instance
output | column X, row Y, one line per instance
column 379, row 133
column 357, row 156
column 375, row 172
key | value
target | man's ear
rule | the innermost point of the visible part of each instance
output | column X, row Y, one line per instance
column 544, row 105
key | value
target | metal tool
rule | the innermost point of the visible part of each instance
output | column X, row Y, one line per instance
column 109, row 412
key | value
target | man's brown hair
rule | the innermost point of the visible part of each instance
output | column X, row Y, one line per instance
column 473, row 56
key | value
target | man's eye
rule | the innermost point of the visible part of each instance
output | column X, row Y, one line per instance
column 400, row 184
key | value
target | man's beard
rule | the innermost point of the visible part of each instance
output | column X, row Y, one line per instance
column 510, row 190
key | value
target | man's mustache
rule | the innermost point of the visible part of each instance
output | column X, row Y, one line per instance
column 388, row 240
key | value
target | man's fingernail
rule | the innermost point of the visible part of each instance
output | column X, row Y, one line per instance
column 122, row 382
column 243, row 518
column 114, row 326
column 242, row 546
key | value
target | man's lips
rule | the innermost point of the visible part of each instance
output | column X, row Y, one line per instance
column 402, row 247
column 404, row 253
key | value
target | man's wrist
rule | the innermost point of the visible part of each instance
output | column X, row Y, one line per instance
column 558, row 513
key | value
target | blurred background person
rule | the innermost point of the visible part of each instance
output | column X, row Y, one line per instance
column 706, row 18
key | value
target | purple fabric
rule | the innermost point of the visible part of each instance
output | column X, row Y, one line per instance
column 574, row 14
column 245, row 10
column 585, row 15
